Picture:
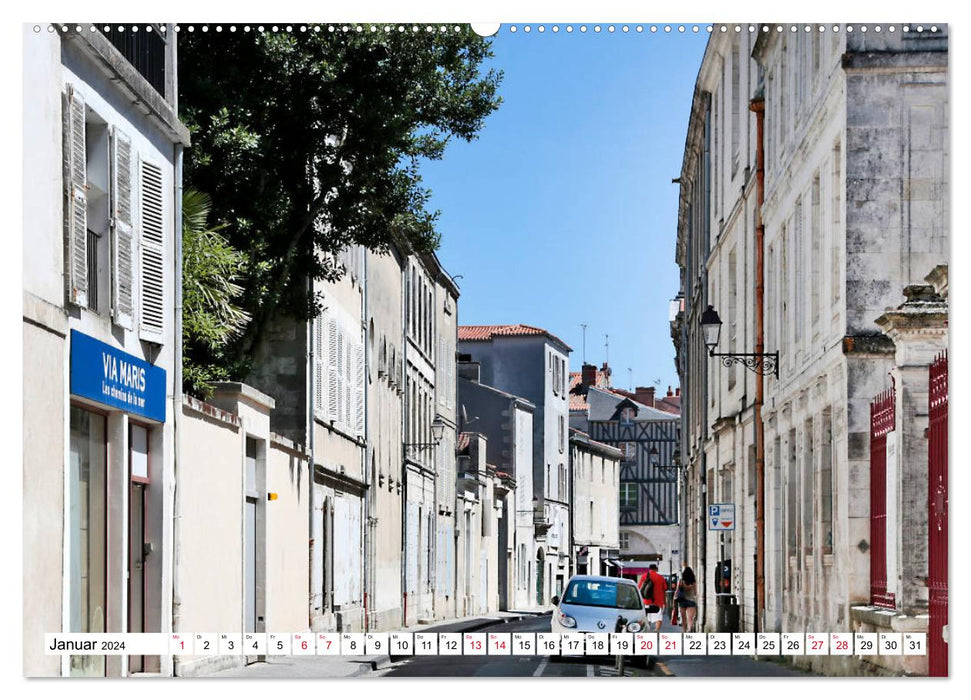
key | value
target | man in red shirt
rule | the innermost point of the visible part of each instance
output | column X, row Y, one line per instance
column 652, row 591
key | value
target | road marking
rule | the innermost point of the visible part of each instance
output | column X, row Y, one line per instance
column 589, row 671
column 542, row 666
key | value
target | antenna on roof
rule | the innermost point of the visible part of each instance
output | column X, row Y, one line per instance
column 607, row 349
column 584, row 327
column 630, row 379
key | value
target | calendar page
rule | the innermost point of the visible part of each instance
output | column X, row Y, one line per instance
column 380, row 345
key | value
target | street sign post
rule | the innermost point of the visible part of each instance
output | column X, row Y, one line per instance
column 721, row 516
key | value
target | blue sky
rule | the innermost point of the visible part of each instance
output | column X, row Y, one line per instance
column 563, row 211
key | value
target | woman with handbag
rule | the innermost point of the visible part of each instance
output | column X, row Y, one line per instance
column 685, row 597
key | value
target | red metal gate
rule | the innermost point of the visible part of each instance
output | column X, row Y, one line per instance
column 882, row 420
column 937, row 517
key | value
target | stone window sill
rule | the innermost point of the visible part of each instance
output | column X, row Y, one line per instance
column 891, row 620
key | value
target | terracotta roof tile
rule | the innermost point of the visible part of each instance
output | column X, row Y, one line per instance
column 578, row 396
column 473, row 333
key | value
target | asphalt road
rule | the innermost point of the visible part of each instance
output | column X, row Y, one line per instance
column 506, row 666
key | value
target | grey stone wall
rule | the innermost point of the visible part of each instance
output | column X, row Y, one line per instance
column 280, row 370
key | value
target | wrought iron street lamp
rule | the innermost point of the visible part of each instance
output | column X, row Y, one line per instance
column 759, row 362
column 438, row 431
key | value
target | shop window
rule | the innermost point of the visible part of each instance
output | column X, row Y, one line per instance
column 87, row 537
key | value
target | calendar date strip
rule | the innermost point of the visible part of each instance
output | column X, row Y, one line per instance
column 488, row 644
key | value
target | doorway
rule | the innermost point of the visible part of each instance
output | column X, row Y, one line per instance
column 138, row 548
column 88, row 515
column 136, row 570
column 540, row 583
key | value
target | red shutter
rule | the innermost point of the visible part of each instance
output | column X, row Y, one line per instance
column 882, row 420
column 937, row 518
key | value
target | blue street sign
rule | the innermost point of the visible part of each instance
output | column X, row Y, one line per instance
column 115, row 378
column 721, row 516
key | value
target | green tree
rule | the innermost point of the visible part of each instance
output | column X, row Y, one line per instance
column 311, row 141
column 211, row 274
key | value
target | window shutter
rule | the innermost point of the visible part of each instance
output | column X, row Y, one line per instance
column 75, row 185
column 319, row 363
column 152, row 316
column 121, row 230
column 333, row 369
column 450, row 378
column 441, row 374
column 349, row 388
column 359, row 388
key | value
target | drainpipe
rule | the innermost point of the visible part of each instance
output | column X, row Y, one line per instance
column 177, row 404
column 311, row 429
column 703, row 388
column 404, row 439
column 757, row 105
column 364, row 457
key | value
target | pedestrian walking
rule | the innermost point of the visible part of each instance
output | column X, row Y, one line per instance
column 652, row 591
column 685, row 597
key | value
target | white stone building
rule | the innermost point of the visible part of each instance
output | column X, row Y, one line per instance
column 507, row 422
column 102, row 391
column 241, row 524
column 534, row 364
column 376, row 370
column 855, row 148
column 595, row 484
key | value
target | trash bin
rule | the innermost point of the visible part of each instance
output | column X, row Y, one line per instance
column 726, row 613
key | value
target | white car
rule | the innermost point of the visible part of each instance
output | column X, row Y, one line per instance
column 594, row 603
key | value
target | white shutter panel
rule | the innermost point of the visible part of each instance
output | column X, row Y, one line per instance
column 75, row 185
column 333, row 369
column 359, row 388
column 411, row 549
column 349, row 388
column 450, row 377
column 441, row 374
column 152, row 316
column 342, row 551
column 319, row 362
column 121, row 230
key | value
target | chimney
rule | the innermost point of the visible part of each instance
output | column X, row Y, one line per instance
column 677, row 391
column 588, row 376
column 606, row 370
column 644, row 395
column 669, row 391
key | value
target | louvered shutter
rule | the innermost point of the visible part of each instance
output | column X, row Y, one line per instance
column 359, row 388
column 450, row 377
column 349, row 388
column 152, row 316
column 441, row 374
column 75, row 186
column 319, row 363
column 333, row 369
column 122, row 272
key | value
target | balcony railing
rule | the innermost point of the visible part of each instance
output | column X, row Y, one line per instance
column 144, row 49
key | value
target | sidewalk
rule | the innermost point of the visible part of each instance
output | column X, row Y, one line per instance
column 356, row 666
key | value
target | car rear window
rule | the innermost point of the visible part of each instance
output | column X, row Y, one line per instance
column 602, row 594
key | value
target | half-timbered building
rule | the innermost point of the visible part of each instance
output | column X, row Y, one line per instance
column 648, row 438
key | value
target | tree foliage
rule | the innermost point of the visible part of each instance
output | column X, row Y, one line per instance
column 211, row 274
column 312, row 141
